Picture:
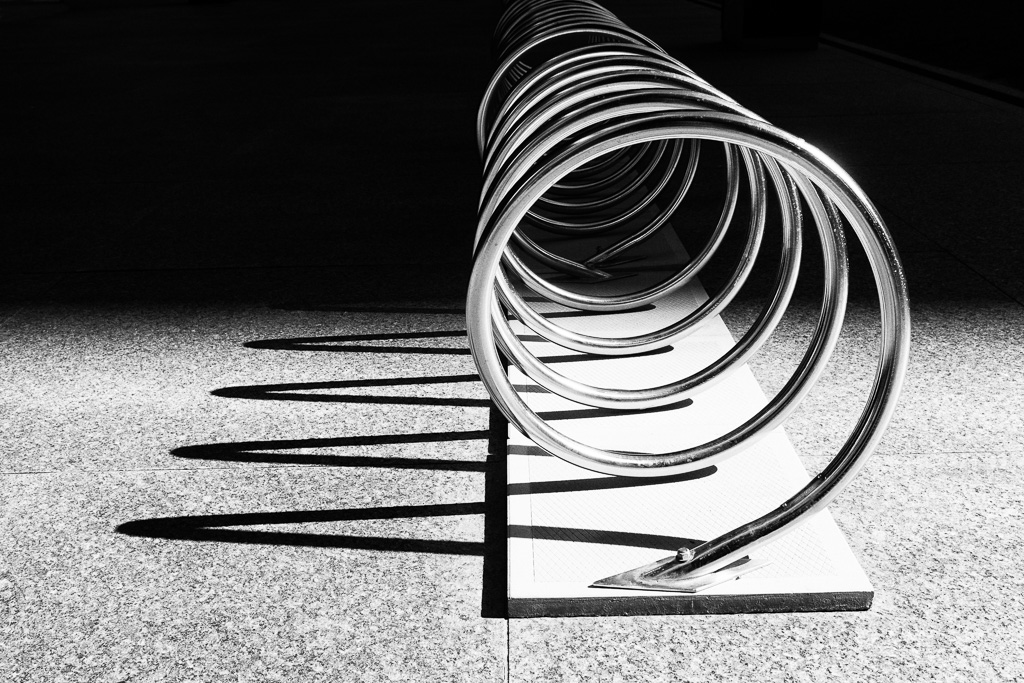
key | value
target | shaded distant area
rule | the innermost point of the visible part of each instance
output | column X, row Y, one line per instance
column 239, row 135
column 976, row 42
column 980, row 41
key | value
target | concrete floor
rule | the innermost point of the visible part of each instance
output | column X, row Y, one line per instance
column 241, row 438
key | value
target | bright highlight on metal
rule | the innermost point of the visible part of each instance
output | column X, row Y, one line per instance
column 588, row 128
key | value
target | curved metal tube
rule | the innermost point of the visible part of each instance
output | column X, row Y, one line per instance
column 590, row 141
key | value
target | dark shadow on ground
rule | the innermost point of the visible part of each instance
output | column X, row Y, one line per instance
column 292, row 392
column 602, row 483
column 390, row 310
column 286, row 392
column 342, row 343
column 214, row 528
column 493, row 548
column 274, row 452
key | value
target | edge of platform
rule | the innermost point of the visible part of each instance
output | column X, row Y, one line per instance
column 685, row 604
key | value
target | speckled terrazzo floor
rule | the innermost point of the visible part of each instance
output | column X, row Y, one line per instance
column 335, row 547
column 274, row 466
column 163, row 522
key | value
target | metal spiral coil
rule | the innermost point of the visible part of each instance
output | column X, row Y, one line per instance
column 590, row 129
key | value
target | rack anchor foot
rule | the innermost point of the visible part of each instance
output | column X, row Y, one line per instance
column 668, row 574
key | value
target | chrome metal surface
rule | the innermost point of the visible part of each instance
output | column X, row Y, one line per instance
column 666, row 575
column 588, row 128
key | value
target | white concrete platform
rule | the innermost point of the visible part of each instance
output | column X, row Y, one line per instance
column 569, row 527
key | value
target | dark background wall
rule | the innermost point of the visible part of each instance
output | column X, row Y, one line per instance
column 981, row 39
column 242, row 135
column 260, row 134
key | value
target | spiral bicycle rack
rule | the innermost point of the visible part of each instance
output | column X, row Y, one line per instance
column 591, row 134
